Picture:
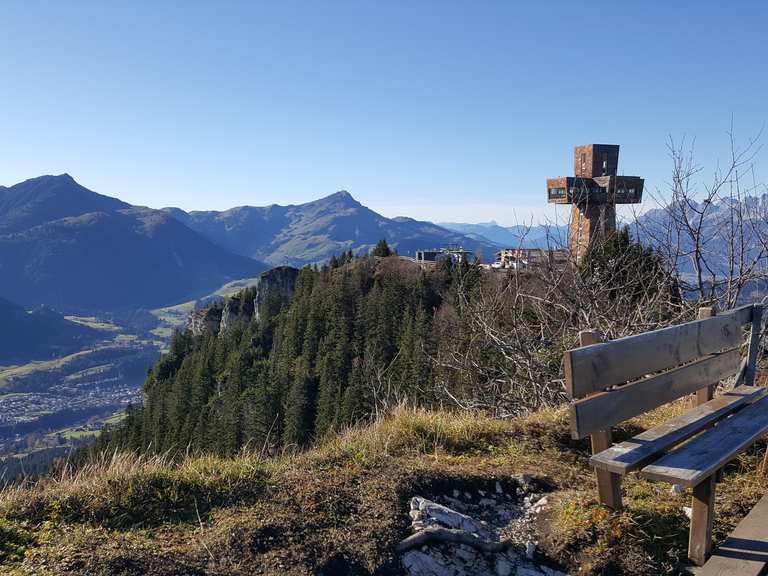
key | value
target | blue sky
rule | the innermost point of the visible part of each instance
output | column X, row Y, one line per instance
column 435, row 110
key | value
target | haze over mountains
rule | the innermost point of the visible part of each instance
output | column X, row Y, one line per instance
column 534, row 236
column 68, row 247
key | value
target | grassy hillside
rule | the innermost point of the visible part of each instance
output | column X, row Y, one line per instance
column 341, row 507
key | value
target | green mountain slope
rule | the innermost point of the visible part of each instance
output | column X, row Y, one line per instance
column 47, row 198
column 313, row 232
column 119, row 260
column 104, row 255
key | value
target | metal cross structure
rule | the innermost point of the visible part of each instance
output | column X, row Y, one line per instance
column 593, row 192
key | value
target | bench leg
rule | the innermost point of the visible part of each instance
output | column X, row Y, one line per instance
column 608, row 483
column 609, row 489
column 700, row 540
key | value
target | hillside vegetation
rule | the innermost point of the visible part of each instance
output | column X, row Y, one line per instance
column 341, row 507
column 356, row 337
column 290, row 435
column 361, row 335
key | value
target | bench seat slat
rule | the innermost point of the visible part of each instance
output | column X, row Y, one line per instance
column 643, row 448
column 605, row 409
column 695, row 461
column 745, row 551
column 594, row 368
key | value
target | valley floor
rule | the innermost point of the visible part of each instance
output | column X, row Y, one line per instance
column 343, row 507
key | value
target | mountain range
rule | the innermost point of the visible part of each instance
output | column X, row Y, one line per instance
column 539, row 236
column 315, row 231
column 65, row 246
column 68, row 247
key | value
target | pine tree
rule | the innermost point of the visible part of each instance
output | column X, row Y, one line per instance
column 300, row 406
column 381, row 249
column 307, row 368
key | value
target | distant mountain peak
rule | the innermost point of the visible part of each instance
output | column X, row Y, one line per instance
column 64, row 177
column 50, row 197
column 340, row 198
column 342, row 195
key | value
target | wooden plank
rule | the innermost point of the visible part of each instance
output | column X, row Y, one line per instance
column 706, row 394
column 701, row 457
column 741, row 375
column 614, row 406
column 608, row 483
column 644, row 448
column 702, row 517
column 745, row 551
column 594, row 368
column 754, row 343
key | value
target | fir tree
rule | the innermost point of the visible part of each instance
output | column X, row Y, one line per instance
column 381, row 249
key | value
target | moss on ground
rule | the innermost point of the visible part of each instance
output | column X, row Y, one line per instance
column 341, row 508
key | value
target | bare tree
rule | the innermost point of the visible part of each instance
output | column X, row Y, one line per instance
column 705, row 243
column 713, row 232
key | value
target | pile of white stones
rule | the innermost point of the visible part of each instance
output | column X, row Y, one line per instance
column 478, row 532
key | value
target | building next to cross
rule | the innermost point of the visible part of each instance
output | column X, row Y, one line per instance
column 593, row 192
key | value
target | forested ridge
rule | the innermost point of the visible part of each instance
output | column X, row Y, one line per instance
column 356, row 335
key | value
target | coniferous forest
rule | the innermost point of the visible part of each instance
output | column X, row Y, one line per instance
column 356, row 336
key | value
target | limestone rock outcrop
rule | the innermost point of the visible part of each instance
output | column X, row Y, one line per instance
column 204, row 321
column 275, row 286
column 235, row 310
column 273, row 289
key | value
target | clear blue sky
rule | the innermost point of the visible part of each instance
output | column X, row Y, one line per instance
column 436, row 110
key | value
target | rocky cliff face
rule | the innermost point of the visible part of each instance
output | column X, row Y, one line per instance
column 204, row 321
column 236, row 309
column 275, row 286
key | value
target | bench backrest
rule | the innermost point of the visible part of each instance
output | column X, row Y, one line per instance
column 617, row 380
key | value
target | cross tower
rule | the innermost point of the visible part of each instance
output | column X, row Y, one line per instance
column 593, row 192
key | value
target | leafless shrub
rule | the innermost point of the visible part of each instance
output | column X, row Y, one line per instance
column 705, row 244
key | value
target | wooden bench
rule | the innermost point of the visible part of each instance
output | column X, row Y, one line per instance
column 613, row 381
column 745, row 551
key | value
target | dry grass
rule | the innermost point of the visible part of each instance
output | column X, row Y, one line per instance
column 341, row 507
column 416, row 431
column 127, row 490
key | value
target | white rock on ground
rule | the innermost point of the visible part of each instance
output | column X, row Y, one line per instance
column 499, row 520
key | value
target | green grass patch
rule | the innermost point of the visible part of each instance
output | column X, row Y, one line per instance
column 10, row 395
column 14, row 539
column 95, row 323
column 93, row 371
column 75, row 434
column 115, row 419
column 10, row 372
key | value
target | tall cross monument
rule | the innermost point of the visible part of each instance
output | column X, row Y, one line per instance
column 593, row 193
